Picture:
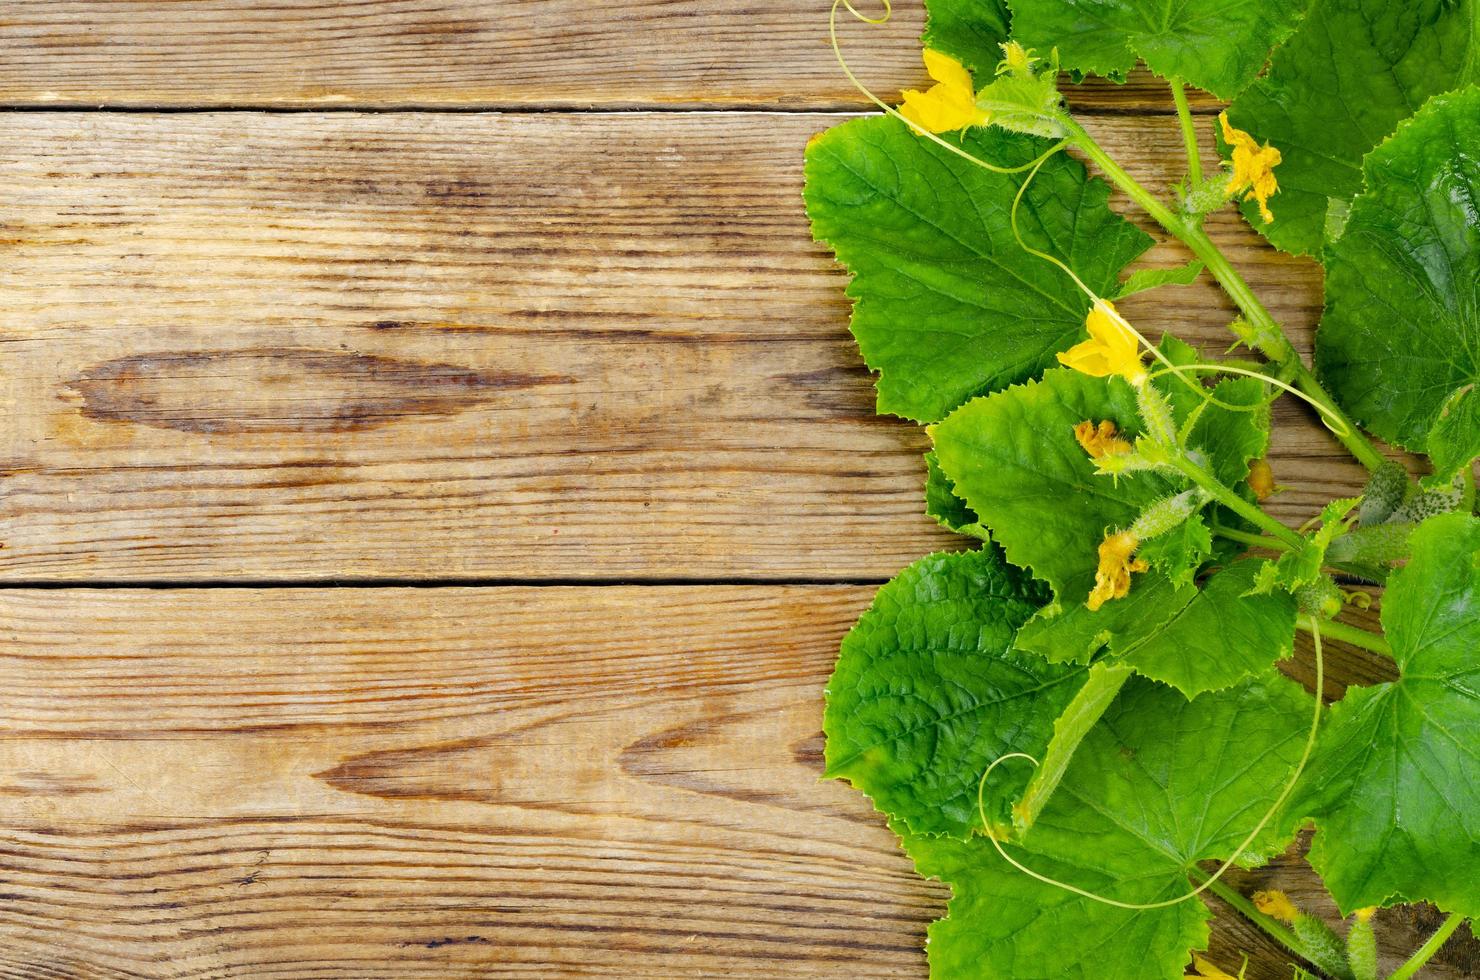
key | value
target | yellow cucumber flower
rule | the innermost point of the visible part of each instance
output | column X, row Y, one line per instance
column 1261, row 479
column 1113, row 577
column 1207, row 971
column 1277, row 905
column 1111, row 348
column 1100, row 440
column 1253, row 167
column 950, row 104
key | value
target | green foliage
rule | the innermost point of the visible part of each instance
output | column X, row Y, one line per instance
column 947, row 303
column 1159, row 785
column 927, row 691
column 949, row 510
column 1352, row 71
column 1403, row 285
column 1212, row 44
column 1014, row 460
column 1160, row 731
column 1393, row 786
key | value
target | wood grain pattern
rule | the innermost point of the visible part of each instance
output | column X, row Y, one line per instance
column 463, row 53
column 408, row 345
column 451, row 782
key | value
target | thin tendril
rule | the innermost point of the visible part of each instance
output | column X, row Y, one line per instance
column 888, row 6
column 1327, row 416
column 1310, row 742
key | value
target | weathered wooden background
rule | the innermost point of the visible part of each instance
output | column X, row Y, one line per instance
column 435, row 478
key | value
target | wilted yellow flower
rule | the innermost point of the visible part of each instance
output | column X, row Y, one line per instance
column 1100, row 440
column 1113, row 577
column 1261, row 478
column 1253, row 167
column 1111, row 349
column 950, row 104
column 1276, row 904
column 1016, row 59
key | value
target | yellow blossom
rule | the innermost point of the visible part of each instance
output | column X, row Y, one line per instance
column 950, row 104
column 1207, row 971
column 1016, row 59
column 1111, row 349
column 1253, row 167
column 1100, row 440
column 1366, row 914
column 1276, row 904
column 1113, row 578
column 1261, row 478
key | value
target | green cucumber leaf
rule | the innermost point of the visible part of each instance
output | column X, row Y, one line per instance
column 1343, row 82
column 1073, row 633
column 1394, row 787
column 1401, row 331
column 1219, row 638
column 942, row 504
column 1180, row 552
column 948, row 305
column 1212, row 44
column 1159, row 785
column 1014, row 460
column 1454, row 441
column 1300, row 567
column 927, row 691
column 1144, row 279
column 971, row 31
column 1228, row 436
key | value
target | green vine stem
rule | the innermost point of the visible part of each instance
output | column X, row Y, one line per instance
column 1233, row 501
column 1252, row 540
column 1272, row 927
column 1356, row 636
column 1272, row 340
column 1189, row 131
column 1428, row 949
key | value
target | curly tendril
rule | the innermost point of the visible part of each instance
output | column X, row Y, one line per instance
column 1310, row 742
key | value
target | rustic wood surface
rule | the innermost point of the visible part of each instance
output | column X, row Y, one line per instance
column 512, row 358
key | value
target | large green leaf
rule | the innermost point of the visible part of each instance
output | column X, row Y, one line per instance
column 968, row 30
column 1401, row 331
column 927, row 691
column 1349, row 75
column 1160, row 784
column 947, row 303
column 1395, row 783
column 1218, row 45
column 1013, row 458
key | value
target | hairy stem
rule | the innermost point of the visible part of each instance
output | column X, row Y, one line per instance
column 1234, row 502
column 1273, row 342
column 1428, row 949
column 1354, row 635
column 1189, row 132
column 1271, row 926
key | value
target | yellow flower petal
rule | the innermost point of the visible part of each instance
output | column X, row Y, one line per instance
column 1276, row 904
column 948, row 105
column 1100, row 440
column 1111, row 349
column 1253, row 167
column 1208, row 971
column 1113, row 577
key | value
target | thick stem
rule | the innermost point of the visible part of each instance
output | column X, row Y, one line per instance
column 1428, row 949
column 1234, row 502
column 1356, row 636
column 1189, row 132
column 1272, row 927
column 1274, row 344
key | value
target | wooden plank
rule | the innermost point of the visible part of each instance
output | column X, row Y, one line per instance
column 533, row 346
column 461, row 53
column 451, row 782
